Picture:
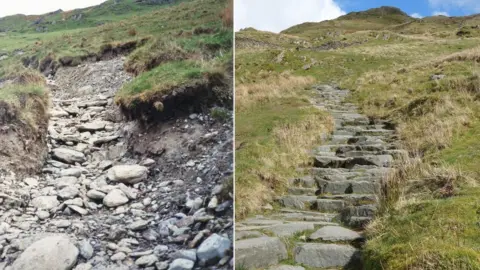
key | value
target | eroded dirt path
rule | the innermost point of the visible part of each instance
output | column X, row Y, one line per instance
column 320, row 221
column 116, row 195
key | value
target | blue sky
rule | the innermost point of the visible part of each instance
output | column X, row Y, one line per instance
column 277, row 15
column 420, row 7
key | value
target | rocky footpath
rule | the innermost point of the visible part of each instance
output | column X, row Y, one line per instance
column 321, row 218
column 117, row 195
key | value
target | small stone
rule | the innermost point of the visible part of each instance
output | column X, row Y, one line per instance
column 186, row 254
column 31, row 182
column 138, row 225
column 45, row 202
column 147, row 260
column 161, row 265
column 213, row 203
column 181, row 264
column 62, row 223
column 115, row 198
column 78, row 209
column 42, row 215
column 95, row 194
column 86, row 249
column 147, row 201
column 119, row 256
column 68, row 192
column 128, row 174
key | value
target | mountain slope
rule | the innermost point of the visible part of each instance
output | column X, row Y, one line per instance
column 420, row 75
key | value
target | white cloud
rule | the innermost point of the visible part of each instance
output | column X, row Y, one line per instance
column 440, row 13
column 467, row 5
column 277, row 15
column 33, row 7
column 416, row 15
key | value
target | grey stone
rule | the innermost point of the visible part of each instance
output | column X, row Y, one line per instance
column 128, row 174
column 94, row 126
column 259, row 252
column 335, row 233
column 326, row 255
column 119, row 256
column 68, row 155
column 45, row 202
column 76, row 172
column 213, row 249
column 68, row 192
column 115, row 198
column 52, row 253
column 95, row 194
column 147, row 260
column 186, row 254
column 138, row 225
column 65, row 181
column 181, row 264
column 86, row 249
column 290, row 229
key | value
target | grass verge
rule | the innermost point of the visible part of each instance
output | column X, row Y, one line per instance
column 275, row 127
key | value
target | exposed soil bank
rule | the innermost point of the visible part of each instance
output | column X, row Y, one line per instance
column 23, row 144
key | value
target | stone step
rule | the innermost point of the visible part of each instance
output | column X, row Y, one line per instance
column 349, row 174
column 305, row 182
column 259, row 252
column 302, row 191
column 335, row 234
column 305, row 216
column 327, row 256
column 353, row 199
column 329, row 205
column 367, row 210
column 290, row 229
column 357, row 222
column 339, row 162
column 302, row 202
column 348, row 187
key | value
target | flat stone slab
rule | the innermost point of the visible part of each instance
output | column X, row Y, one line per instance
column 286, row 267
column 335, row 234
column 261, row 222
column 290, row 229
column 241, row 235
column 259, row 252
column 327, row 255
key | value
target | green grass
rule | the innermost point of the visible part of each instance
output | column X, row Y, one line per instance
column 164, row 78
column 12, row 93
column 433, row 234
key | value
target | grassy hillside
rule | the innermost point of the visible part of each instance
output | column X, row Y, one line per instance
column 159, row 38
column 388, row 59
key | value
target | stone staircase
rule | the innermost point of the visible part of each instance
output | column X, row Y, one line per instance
column 322, row 215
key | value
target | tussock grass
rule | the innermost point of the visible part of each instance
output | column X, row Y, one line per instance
column 275, row 128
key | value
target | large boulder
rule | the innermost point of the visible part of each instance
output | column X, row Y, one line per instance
column 128, row 174
column 68, row 155
column 49, row 253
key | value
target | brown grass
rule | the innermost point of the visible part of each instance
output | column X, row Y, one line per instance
column 282, row 85
column 227, row 15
